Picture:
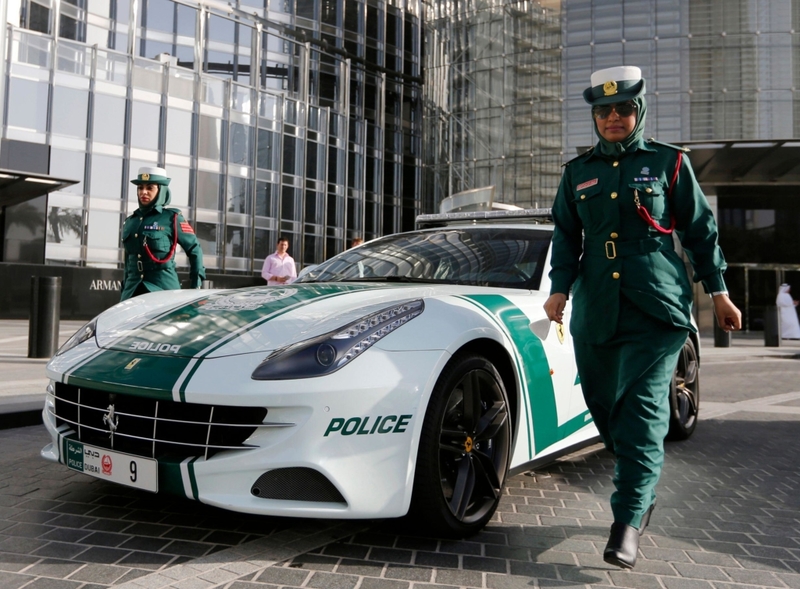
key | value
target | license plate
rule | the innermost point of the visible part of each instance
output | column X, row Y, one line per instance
column 116, row 467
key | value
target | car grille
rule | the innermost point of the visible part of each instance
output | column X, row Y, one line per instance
column 153, row 428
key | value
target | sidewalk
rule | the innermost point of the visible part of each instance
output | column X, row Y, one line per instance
column 23, row 381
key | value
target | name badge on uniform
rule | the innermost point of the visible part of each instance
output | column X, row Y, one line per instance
column 646, row 179
column 586, row 184
column 153, row 227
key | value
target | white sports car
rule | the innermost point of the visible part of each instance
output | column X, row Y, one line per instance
column 408, row 376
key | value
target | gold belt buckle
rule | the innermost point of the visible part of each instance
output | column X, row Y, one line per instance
column 611, row 253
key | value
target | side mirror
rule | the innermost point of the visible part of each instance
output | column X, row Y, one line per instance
column 541, row 328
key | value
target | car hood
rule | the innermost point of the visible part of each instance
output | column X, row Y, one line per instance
column 260, row 319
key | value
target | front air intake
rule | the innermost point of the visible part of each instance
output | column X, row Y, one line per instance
column 296, row 484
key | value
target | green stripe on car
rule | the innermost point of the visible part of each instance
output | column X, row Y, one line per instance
column 531, row 359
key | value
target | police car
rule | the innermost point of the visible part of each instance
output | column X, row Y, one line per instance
column 410, row 376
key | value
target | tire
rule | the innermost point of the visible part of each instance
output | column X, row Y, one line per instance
column 463, row 455
column 684, row 394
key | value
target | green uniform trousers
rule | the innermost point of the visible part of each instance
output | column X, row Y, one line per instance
column 626, row 383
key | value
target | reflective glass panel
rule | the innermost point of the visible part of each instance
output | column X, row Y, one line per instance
column 70, row 111
column 160, row 15
column 187, row 21
column 237, row 242
column 106, row 177
column 207, row 192
column 207, row 236
column 265, row 202
column 179, row 131
column 179, row 187
column 209, row 137
column 145, row 119
column 109, row 119
column 103, row 229
column 68, row 164
column 65, row 225
column 267, row 157
column 238, row 195
column 241, row 145
column 27, row 104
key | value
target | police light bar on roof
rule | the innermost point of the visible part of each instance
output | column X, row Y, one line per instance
column 537, row 215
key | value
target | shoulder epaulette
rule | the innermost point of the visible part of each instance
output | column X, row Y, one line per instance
column 676, row 147
column 579, row 156
column 177, row 211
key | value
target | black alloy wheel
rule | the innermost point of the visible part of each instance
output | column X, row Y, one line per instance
column 684, row 394
column 464, row 450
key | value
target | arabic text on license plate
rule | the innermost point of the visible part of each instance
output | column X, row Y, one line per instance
column 123, row 469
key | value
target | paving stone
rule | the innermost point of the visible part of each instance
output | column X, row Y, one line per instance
column 321, row 580
column 371, row 583
column 362, row 568
column 635, row 580
column 763, row 578
column 697, row 571
column 460, row 547
column 485, row 564
column 436, row 559
column 314, row 562
column 98, row 573
column 680, row 583
column 459, row 578
column 45, row 583
column 408, row 573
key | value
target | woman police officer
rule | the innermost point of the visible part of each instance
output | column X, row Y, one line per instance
column 150, row 236
column 614, row 214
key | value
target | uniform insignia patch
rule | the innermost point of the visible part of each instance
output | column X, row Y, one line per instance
column 645, row 171
column 186, row 228
column 586, row 184
column 646, row 179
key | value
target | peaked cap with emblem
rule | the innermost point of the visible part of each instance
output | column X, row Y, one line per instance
column 151, row 175
column 615, row 84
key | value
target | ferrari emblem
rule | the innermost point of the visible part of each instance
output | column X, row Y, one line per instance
column 145, row 177
column 610, row 88
column 560, row 332
column 468, row 444
column 132, row 363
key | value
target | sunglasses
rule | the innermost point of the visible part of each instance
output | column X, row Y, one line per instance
column 624, row 109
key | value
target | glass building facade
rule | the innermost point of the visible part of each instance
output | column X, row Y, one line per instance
column 494, row 99
column 299, row 118
column 504, row 81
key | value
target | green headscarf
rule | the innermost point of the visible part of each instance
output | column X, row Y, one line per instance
column 619, row 148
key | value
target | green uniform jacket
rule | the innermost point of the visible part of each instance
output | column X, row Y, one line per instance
column 157, row 226
column 621, row 253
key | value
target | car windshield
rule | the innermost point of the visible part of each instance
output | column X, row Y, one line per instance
column 479, row 256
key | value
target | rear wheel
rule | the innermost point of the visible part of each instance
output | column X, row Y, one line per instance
column 464, row 450
column 684, row 394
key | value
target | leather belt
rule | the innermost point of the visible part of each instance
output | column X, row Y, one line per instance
column 622, row 249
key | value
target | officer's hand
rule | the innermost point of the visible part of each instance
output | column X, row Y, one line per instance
column 554, row 306
column 729, row 317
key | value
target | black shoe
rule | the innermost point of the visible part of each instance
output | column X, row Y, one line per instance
column 623, row 546
column 646, row 518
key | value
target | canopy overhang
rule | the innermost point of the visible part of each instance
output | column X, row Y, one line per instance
column 17, row 187
column 741, row 163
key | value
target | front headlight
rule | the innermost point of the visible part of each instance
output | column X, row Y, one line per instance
column 330, row 352
column 79, row 337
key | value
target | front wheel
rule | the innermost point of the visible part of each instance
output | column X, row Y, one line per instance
column 464, row 450
column 684, row 394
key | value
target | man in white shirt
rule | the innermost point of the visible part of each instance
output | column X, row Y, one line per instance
column 279, row 267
